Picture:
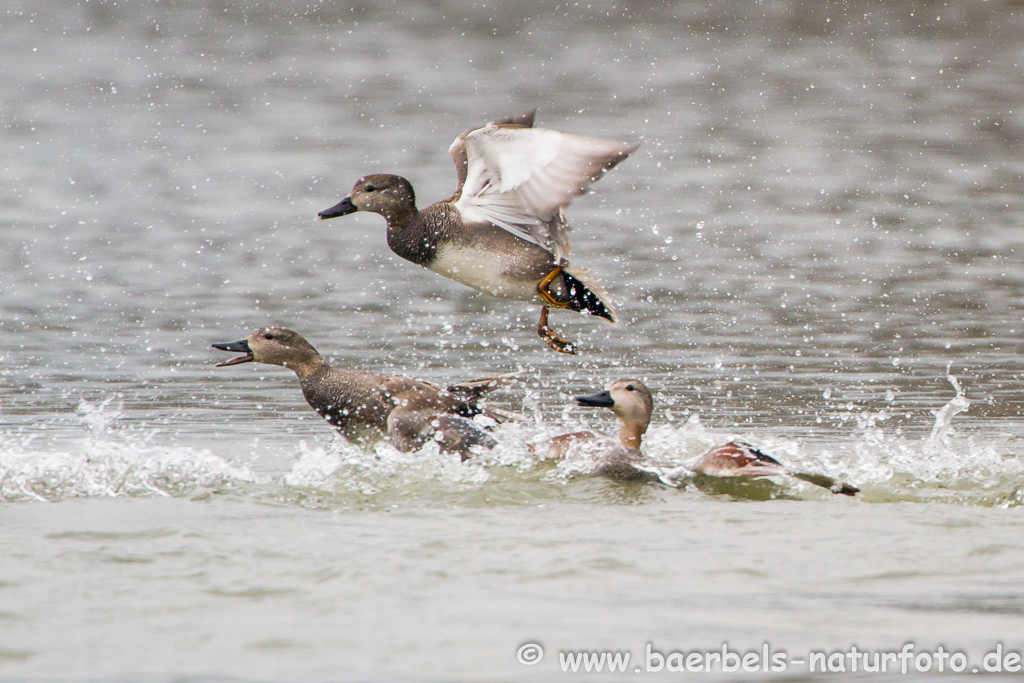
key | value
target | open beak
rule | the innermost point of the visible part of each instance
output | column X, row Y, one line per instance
column 342, row 208
column 601, row 399
column 235, row 347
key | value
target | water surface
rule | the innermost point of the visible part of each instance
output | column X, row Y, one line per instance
column 816, row 249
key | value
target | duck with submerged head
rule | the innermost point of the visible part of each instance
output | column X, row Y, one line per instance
column 632, row 403
column 503, row 232
column 366, row 406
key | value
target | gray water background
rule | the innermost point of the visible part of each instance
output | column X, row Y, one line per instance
column 821, row 225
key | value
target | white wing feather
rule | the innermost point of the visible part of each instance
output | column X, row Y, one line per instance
column 520, row 179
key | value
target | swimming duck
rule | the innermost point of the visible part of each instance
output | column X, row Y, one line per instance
column 503, row 231
column 632, row 403
column 365, row 406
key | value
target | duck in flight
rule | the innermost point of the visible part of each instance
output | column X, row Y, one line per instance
column 503, row 232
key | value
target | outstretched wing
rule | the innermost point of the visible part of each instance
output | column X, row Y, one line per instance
column 521, row 179
column 457, row 150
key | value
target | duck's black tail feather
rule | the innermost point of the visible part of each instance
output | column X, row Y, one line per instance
column 585, row 296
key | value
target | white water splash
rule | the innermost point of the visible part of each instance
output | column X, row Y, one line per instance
column 942, row 466
column 942, row 432
column 342, row 466
column 111, row 463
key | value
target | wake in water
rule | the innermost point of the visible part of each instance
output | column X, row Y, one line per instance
column 111, row 460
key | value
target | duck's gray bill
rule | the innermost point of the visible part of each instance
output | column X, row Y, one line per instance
column 342, row 208
column 602, row 399
column 235, row 347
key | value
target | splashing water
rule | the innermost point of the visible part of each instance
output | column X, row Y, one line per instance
column 942, row 432
column 111, row 463
column 112, row 460
column 944, row 466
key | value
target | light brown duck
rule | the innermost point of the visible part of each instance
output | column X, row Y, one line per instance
column 631, row 402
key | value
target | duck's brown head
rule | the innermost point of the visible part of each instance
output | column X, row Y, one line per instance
column 391, row 196
column 272, row 345
column 629, row 399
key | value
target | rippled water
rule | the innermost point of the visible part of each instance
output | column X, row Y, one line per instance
column 816, row 249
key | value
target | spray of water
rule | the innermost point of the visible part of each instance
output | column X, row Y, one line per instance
column 110, row 459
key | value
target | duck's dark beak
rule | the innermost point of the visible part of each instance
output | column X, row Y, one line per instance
column 235, row 347
column 342, row 208
column 602, row 399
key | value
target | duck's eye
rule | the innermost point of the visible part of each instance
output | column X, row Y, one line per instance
column 370, row 188
column 629, row 387
column 268, row 336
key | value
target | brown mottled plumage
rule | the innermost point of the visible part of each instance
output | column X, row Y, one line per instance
column 367, row 405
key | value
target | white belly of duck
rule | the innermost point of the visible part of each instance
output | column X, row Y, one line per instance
column 484, row 271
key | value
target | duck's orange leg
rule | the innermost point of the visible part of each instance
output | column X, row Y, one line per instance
column 550, row 338
column 545, row 294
